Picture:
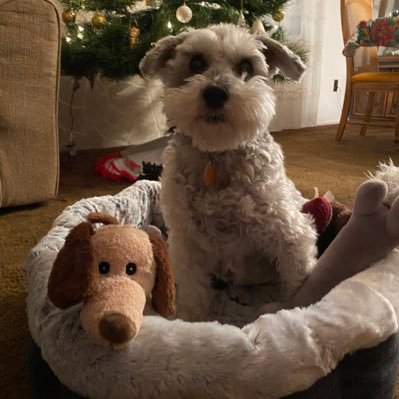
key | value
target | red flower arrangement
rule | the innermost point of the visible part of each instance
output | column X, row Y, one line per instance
column 382, row 32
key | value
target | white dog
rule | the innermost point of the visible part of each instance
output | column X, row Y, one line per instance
column 232, row 213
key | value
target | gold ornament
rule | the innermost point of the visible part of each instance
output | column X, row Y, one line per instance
column 184, row 14
column 279, row 15
column 134, row 34
column 257, row 26
column 68, row 16
column 98, row 20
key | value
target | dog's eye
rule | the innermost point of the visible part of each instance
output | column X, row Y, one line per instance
column 197, row 64
column 245, row 68
column 103, row 267
column 131, row 268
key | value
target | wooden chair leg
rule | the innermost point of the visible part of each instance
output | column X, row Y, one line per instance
column 397, row 126
column 368, row 112
column 344, row 114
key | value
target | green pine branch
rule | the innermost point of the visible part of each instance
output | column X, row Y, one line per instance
column 87, row 51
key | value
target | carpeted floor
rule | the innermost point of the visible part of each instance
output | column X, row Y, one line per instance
column 312, row 159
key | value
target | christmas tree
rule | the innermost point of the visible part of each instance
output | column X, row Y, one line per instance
column 110, row 37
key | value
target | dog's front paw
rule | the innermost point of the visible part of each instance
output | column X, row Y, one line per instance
column 241, row 295
column 191, row 310
column 191, row 314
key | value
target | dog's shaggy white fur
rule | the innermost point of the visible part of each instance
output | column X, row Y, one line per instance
column 247, row 229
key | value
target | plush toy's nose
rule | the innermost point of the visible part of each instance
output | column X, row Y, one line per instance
column 117, row 328
column 113, row 314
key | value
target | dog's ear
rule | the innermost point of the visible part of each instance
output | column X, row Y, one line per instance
column 156, row 58
column 163, row 293
column 73, row 276
column 280, row 57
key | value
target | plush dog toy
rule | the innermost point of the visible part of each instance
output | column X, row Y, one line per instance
column 112, row 271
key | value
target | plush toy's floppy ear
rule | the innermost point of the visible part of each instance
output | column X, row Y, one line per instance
column 282, row 58
column 163, row 293
column 99, row 217
column 73, row 275
column 156, row 58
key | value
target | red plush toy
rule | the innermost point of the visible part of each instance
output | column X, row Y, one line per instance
column 321, row 209
column 329, row 215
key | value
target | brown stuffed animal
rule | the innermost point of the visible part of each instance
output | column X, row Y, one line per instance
column 112, row 271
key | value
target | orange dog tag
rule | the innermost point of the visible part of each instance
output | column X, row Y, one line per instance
column 210, row 174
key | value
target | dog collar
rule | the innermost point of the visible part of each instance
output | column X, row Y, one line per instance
column 211, row 169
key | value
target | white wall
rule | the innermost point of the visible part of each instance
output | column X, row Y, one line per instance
column 333, row 67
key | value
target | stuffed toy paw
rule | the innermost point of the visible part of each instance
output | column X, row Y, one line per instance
column 113, row 270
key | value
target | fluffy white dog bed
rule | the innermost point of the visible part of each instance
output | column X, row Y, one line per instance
column 275, row 356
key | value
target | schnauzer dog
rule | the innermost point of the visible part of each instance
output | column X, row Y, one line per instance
column 233, row 214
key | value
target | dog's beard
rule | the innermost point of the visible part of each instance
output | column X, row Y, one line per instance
column 247, row 113
column 216, row 117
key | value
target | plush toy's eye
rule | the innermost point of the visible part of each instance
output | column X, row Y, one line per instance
column 131, row 268
column 198, row 64
column 103, row 267
column 245, row 68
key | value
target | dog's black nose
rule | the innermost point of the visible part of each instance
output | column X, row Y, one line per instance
column 215, row 97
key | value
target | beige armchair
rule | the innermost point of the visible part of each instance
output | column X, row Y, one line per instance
column 30, row 34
